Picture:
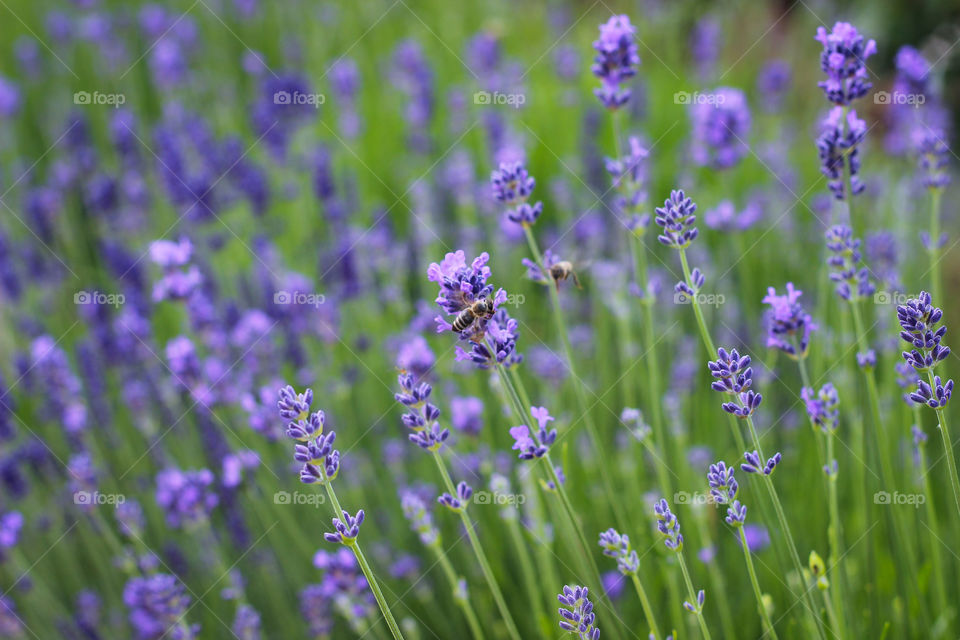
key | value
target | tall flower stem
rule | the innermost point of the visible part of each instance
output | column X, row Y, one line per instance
column 647, row 609
column 708, row 343
column 693, row 597
column 578, row 386
column 934, row 527
column 463, row 603
column 947, row 444
column 934, row 249
column 526, row 569
column 756, row 585
column 785, row 528
column 883, row 451
column 522, row 409
column 365, row 567
column 478, row 551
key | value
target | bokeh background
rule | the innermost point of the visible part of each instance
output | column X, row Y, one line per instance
column 124, row 123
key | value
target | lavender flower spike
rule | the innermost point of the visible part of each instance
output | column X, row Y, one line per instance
column 734, row 376
column 529, row 446
column 677, row 220
column 347, row 530
column 853, row 280
column 918, row 323
column 577, row 613
column 838, row 147
column 512, row 185
column 669, row 526
column 615, row 61
column 618, row 546
column 844, row 61
column 789, row 325
column 754, row 464
column 822, row 406
column 459, row 502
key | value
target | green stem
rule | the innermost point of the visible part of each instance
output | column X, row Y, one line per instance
column 526, row 568
column 578, row 384
column 947, row 444
column 478, row 551
column 693, row 597
column 647, row 609
column 756, row 584
column 934, row 250
column 464, row 603
column 933, row 527
column 835, row 532
column 708, row 343
column 365, row 567
column 784, row 527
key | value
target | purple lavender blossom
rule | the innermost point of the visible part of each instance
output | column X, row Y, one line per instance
column 907, row 378
column 185, row 496
column 617, row 546
column 415, row 510
column 422, row 416
column 822, row 406
column 705, row 44
column 789, row 325
column 668, row 526
column 157, row 604
column 919, row 321
column 466, row 414
column 677, row 218
column 721, row 127
column 615, row 61
column 932, row 158
column 512, row 186
column 629, row 175
column 577, row 613
column 843, row 59
column 180, row 278
column 458, row 502
column 460, row 286
column 500, row 346
column 534, row 446
column 853, row 281
column 754, row 464
column 316, row 608
column 838, row 147
column 734, row 376
column 773, row 81
column 246, row 624
column 758, row 538
column 9, row 98
column 11, row 523
column 346, row 530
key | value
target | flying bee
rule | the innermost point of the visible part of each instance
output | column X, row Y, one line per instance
column 482, row 308
column 563, row 270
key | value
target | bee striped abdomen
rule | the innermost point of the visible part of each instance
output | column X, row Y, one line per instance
column 464, row 320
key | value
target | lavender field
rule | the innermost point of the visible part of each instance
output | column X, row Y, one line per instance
column 411, row 319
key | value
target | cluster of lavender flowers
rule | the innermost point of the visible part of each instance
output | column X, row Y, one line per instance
column 721, row 127
column 513, row 186
column 724, row 489
column 853, row 280
column 843, row 60
column 921, row 329
column 577, row 613
column 422, row 415
column 789, row 326
column 616, row 61
column 532, row 446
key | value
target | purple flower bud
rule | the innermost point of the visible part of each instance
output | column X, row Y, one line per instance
column 789, row 326
column 844, row 61
column 577, row 613
column 459, row 502
column 668, row 526
column 677, row 220
column 346, row 530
